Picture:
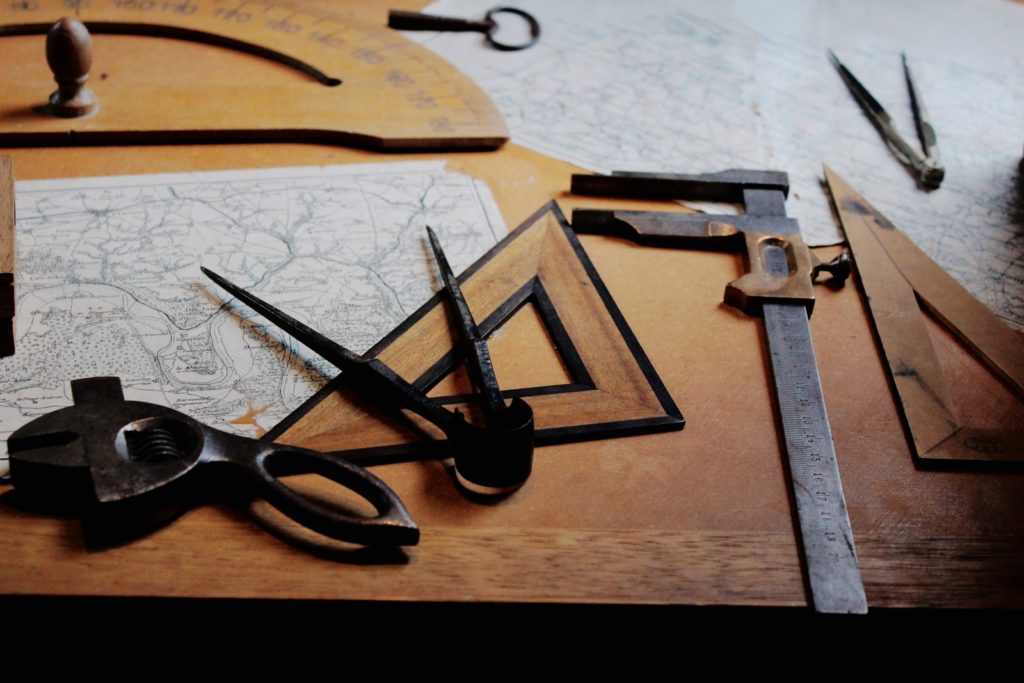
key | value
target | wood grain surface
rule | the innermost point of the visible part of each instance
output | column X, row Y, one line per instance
column 895, row 275
column 610, row 388
column 700, row 516
column 6, row 256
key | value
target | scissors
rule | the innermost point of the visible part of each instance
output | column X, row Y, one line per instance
column 926, row 168
column 138, row 465
column 416, row 21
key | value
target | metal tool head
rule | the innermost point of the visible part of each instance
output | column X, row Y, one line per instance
column 781, row 267
column 102, row 449
column 129, row 466
column 119, row 464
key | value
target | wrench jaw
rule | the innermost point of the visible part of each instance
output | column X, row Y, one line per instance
column 117, row 464
column 48, row 466
column 131, row 467
column 145, row 454
column 139, row 475
column 51, row 473
column 107, row 524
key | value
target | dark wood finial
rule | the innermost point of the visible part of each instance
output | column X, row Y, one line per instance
column 69, row 54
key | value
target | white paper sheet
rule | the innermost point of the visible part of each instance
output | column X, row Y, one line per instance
column 109, row 283
column 690, row 86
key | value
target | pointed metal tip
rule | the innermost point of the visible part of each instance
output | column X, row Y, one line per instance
column 440, row 259
column 219, row 279
column 832, row 58
column 435, row 244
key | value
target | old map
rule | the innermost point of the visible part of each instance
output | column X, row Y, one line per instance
column 689, row 86
column 109, row 281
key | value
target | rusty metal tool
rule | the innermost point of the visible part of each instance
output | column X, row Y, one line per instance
column 488, row 26
column 141, row 464
column 896, row 275
column 514, row 421
column 492, row 458
column 927, row 168
column 779, row 288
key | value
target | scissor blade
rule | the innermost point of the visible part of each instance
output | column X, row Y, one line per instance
column 481, row 369
column 385, row 385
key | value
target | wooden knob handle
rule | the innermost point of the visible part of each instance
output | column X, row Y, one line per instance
column 69, row 54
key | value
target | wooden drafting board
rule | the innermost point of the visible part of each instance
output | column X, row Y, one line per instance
column 698, row 516
column 612, row 389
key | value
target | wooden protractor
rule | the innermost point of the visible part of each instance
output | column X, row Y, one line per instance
column 309, row 74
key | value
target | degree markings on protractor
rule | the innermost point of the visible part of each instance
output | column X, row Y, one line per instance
column 394, row 94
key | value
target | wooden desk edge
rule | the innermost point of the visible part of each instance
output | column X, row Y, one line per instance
column 6, row 256
column 556, row 566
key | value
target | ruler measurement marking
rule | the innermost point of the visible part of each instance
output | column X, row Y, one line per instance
column 828, row 547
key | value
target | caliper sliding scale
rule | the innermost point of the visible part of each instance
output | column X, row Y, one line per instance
column 778, row 286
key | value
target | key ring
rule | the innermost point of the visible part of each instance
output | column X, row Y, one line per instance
column 506, row 47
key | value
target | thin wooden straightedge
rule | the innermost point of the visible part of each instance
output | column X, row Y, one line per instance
column 614, row 390
column 895, row 274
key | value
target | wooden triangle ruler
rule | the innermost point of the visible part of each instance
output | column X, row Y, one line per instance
column 895, row 275
column 613, row 389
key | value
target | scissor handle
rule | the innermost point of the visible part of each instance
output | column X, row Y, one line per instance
column 391, row 526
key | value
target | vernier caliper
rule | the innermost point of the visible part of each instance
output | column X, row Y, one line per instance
column 779, row 287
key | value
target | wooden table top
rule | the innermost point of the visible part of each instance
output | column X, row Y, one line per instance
column 698, row 516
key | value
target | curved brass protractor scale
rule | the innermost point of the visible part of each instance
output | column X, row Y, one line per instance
column 325, row 75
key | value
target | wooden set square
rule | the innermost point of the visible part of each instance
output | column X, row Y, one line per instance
column 612, row 390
